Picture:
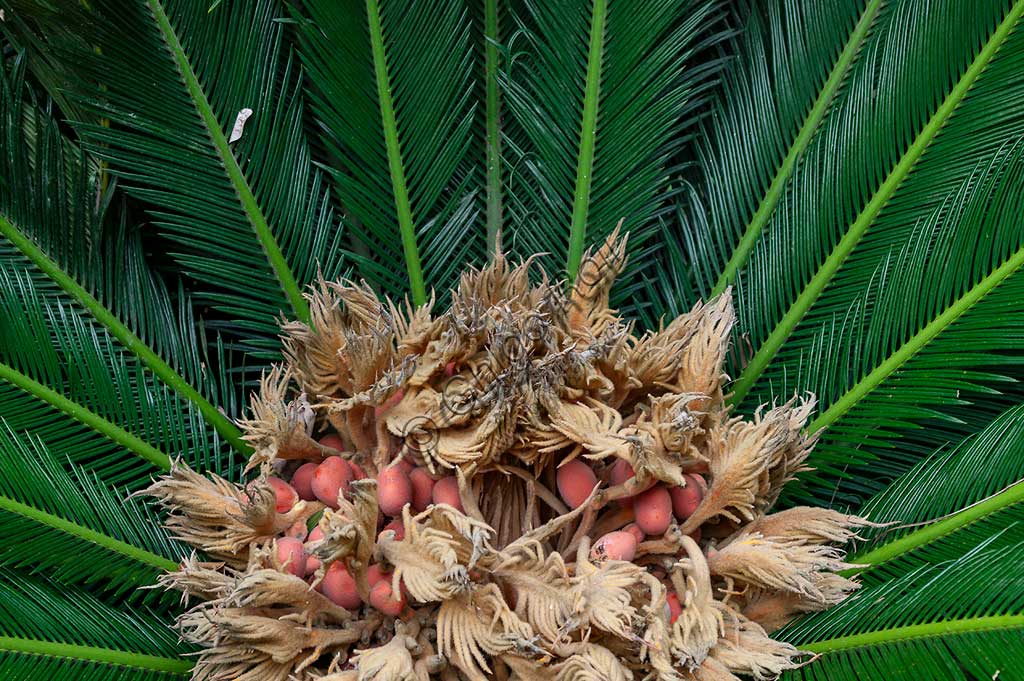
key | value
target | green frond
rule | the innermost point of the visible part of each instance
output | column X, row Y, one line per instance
column 251, row 211
column 974, row 495
column 391, row 86
column 893, row 244
column 599, row 96
column 66, row 253
column 73, row 528
column 53, row 352
column 791, row 61
column 958, row 620
column 45, row 628
column 863, row 155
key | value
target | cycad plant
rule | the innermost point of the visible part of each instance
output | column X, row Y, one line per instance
column 179, row 179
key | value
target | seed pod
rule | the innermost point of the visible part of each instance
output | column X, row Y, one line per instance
column 405, row 464
column 290, row 556
column 340, row 586
column 330, row 478
column 390, row 402
column 284, row 494
column 675, row 608
column 376, row 573
column 685, row 500
column 422, row 488
column 575, row 482
column 634, row 530
column 621, row 471
column 654, row 510
column 302, row 481
column 618, row 545
column 382, row 598
column 357, row 472
column 393, row 490
column 297, row 530
column 446, row 491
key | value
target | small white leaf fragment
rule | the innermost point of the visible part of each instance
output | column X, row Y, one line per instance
column 240, row 119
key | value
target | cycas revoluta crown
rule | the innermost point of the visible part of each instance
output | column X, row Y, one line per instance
column 520, row 485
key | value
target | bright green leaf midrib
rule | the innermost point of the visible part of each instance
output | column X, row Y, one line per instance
column 403, row 207
column 81, row 532
column 942, row 527
column 588, row 140
column 774, row 193
column 251, row 207
column 879, row 199
column 86, row 417
column 940, row 628
column 95, row 654
column 905, row 352
column 122, row 333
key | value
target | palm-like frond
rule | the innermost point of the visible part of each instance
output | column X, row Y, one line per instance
column 391, row 85
column 50, row 632
column 62, row 346
column 74, row 528
column 958, row 620
column 950, row 503
column 883, row 237
column 252, row 211
column 600, row 96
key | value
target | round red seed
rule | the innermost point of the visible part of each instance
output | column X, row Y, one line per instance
column 394, row 490
column 284, row 494
column 330, row 478
column 340, row 586
column 637, row 533
column 382, row 598
column 422, row 488
column 654, row 510
column 302, row 481
column 675, row 608
column 621, row 472
column 290, row 556
column 685, row 500
column 575, row 482
column 446, row 491
column 396, row 526
column 333, row 441
column 618, row 545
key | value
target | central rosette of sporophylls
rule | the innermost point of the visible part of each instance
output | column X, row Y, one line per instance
column 521, row 487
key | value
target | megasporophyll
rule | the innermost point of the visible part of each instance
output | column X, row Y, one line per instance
column 521, row 487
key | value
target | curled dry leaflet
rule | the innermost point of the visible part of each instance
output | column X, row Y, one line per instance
column 518, row 488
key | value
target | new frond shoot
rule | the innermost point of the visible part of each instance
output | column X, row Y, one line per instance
column 517, row 487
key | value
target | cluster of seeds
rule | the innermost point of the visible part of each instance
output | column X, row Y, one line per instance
column 519, row 488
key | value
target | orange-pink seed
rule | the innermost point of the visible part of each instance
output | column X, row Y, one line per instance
column 685, row 500
column 619, row 545
column 382, row 598
column 340, row 586
column 330, row 478
column 653, row 510
column 284, row 494
column 290, row 556
column 446, row 491
column 302, row 481
column 394, row 490
column 422, row 488
column 575, row 481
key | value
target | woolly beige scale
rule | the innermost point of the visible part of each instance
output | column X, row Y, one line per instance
column 481, row 494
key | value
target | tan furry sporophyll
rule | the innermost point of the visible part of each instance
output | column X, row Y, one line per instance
column 518, row 451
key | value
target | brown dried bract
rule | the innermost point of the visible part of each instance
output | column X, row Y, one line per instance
column 492, row 398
